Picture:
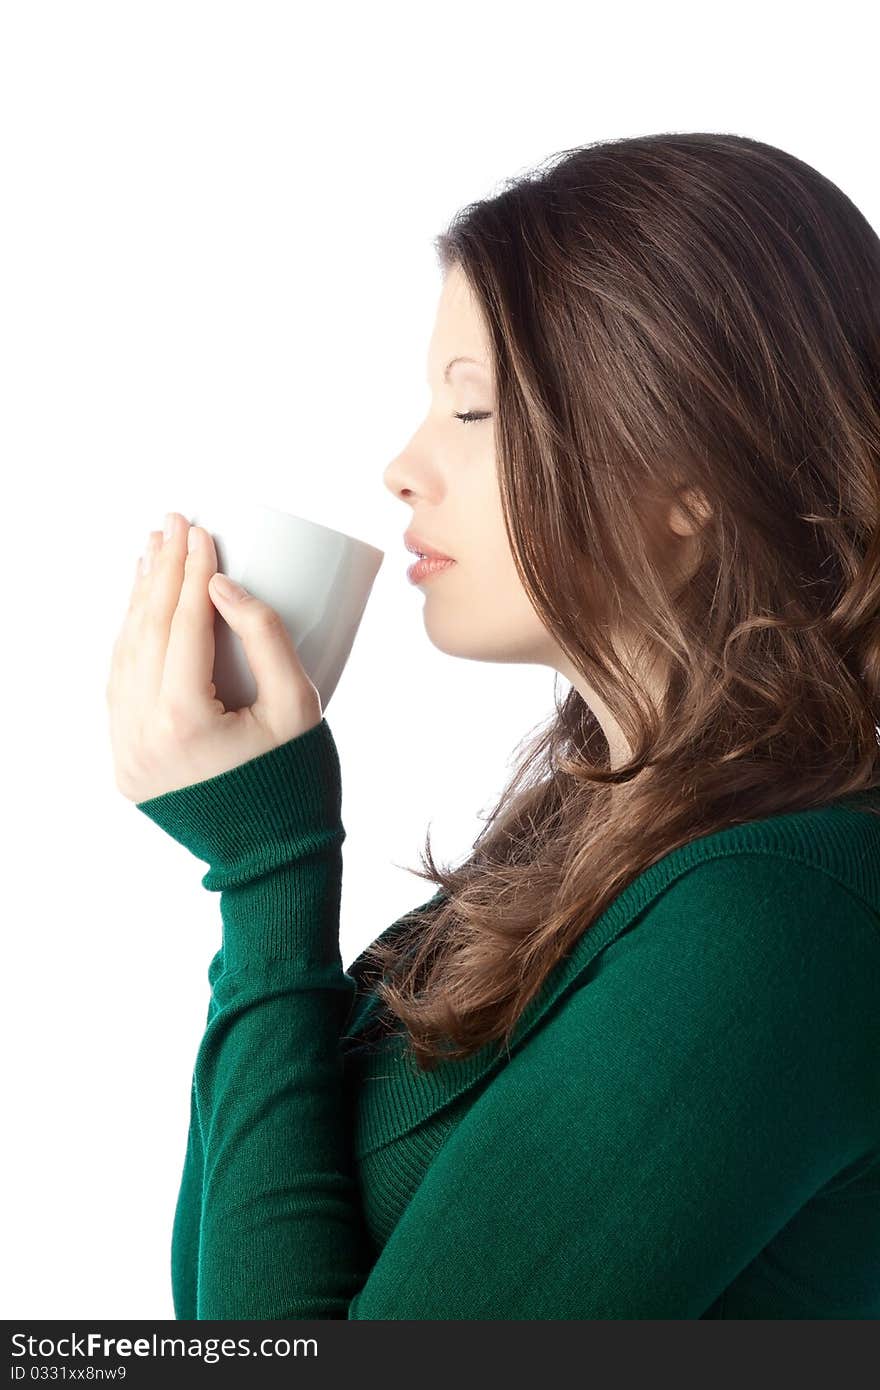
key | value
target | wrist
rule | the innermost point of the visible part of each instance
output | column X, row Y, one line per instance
column 253, row 819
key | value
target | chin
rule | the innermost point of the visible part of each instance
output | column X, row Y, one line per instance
column 472, row 643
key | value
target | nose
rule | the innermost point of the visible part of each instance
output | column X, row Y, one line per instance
column 415, row 471
column 398, row 476
column 390, row 477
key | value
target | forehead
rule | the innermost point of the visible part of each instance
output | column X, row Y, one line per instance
column 459, row 331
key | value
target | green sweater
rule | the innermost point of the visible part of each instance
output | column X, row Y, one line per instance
column 687, row 1124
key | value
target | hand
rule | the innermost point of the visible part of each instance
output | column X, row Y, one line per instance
column 167, row 726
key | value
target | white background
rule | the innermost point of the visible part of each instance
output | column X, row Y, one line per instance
column 216, row 269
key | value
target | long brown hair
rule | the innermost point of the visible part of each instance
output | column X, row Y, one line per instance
column 688, row 317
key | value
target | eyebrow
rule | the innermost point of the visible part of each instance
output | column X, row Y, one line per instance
column 451, row 363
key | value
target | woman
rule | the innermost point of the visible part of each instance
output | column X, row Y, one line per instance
column 625, row 1063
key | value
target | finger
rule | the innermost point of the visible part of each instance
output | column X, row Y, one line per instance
column 144, row 568
column 129, row 638
column 189, row 657
column 124, row 639
column 156, row 601
column 283, row 685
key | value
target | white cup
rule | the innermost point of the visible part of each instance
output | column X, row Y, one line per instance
column 318, row 580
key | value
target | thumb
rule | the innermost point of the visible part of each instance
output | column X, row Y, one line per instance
column 281, row 679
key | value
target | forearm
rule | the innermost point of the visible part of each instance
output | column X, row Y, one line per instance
column 268, row 1190
column 282, row 1233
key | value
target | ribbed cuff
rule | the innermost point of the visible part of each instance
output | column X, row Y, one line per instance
column 272, row 833
column 291, row 915
column 260, row 815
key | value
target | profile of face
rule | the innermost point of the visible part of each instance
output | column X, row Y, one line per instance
column 446, row 473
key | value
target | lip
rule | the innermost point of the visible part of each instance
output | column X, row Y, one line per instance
column 424, row 569
column 417, row 546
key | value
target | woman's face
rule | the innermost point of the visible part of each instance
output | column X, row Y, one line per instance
column 476, row 608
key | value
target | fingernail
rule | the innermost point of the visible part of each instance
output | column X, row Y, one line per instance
column 169, row 526
column 193, row 539
column 226, row 587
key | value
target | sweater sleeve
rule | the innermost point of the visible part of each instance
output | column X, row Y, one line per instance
column 713, row 1069
column 268, row 1222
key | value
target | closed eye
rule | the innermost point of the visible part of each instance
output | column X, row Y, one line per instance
column 470, row 415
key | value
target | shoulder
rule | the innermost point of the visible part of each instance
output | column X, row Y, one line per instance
column 800, row 869
column 747, row 880
column 840, row 840
column 768, row 899
column 755, row 939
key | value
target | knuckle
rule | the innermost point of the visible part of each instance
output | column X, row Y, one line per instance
column 175, row 722
column 267, row 618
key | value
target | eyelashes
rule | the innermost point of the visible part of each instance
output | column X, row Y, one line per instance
column 469, row 416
